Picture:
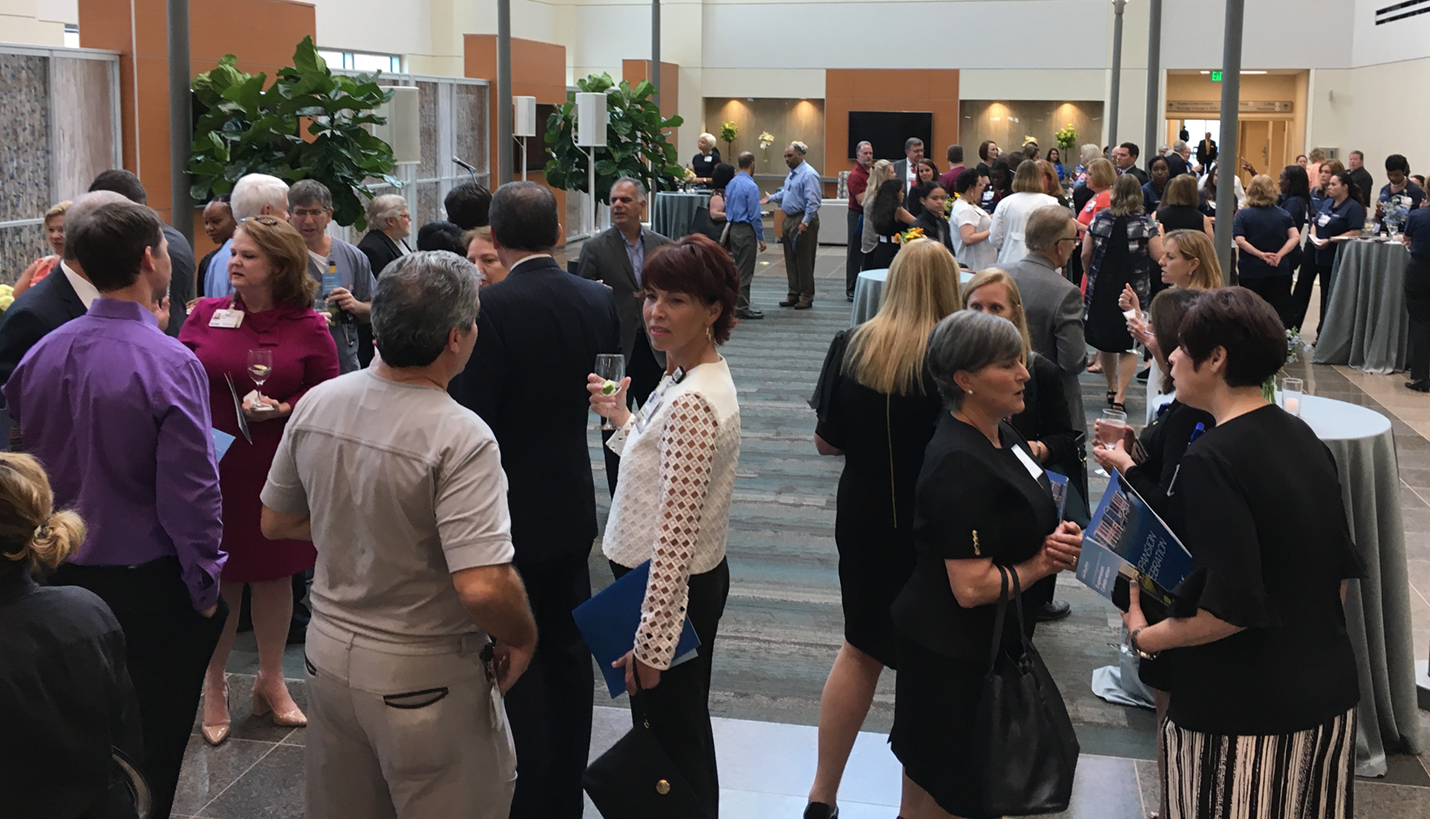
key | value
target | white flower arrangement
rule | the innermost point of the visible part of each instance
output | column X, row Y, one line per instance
column 766, row 140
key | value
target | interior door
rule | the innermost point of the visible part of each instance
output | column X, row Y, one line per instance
column 1254, row 146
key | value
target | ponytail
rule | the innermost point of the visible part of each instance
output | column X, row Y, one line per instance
column 31, row 532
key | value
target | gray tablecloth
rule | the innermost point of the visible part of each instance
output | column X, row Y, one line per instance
column 672, row 211
column 1378, row 607
column 869, row 292
column 1366, row 325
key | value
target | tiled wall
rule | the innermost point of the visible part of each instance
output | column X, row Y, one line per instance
column 24, row 137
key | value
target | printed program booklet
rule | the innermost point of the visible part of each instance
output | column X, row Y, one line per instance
column 1126, row 542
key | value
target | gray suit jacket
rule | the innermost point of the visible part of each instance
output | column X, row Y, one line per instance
column 1053, row 308
column 604, row 258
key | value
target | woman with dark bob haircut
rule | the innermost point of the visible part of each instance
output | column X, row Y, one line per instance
column 672, row 500
column 1263, row 689
column 981, row 499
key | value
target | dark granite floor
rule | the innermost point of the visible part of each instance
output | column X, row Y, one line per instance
column 783, row 624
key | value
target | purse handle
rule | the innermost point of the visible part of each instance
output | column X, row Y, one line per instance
column 999, row 619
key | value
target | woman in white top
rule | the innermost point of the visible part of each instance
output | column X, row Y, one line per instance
column 672, row 500
column 1012, row 214
column 971, row 223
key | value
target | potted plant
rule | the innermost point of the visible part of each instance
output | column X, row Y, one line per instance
column 1067, row 138
column 246, row 128
column 636, row 143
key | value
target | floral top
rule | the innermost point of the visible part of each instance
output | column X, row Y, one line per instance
column 1139, row 232
column 672, row 504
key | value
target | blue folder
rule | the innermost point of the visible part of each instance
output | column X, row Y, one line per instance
column 610, row 619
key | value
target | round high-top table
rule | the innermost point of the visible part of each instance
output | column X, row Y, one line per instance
column 869, row 293
column 1378, row 606
column 1366, row 325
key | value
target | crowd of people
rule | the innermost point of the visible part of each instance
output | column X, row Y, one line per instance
column 412, row 459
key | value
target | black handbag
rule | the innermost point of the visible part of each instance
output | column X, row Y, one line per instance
column 635, row 779
column 704, row 224
column 1027, row 744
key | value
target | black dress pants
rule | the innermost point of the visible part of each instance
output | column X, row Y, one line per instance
column 678, row 709
column 1301, row 296
column 1275, row 291
column 1417, row 303
column 169, row 646
column 854, row 262
column 550, row 706
column 645, row 373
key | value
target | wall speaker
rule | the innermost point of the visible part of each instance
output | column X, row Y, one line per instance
column 524, row 116
column 403, row 130
column 591, row 119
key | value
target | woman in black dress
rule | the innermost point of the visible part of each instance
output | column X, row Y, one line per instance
column 705, row 162
column 981, row 498
column 1121, row 248
column 933, row 200
column 1261, row 719
column 877, row 406
column 1179, row 207
column 885, row 218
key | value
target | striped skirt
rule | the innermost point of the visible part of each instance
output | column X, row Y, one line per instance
column 1305, row 775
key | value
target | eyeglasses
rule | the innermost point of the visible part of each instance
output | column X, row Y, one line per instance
column 309, row 211
column 1072, row 238
column 267, row 221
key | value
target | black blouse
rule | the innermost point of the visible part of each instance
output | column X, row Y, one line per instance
column 1045, row 417
column 935, row 227
column 1165, row 441
column 704, row 166
column 65, row 699
column 973, row 500
column 1258, row 504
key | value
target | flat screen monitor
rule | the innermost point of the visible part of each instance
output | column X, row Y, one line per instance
column 887, row 131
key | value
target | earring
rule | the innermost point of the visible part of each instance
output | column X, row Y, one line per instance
column 710, row 333
column 970, row 392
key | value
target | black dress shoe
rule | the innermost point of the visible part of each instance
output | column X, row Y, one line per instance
column 819, row 810
column 1422, row 385
column 752, row 315
column 789, row 302
column 803, row 305
column 1054, row 610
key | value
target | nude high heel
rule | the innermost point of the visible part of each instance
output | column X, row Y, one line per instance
column 216, row 732
column 288, row 719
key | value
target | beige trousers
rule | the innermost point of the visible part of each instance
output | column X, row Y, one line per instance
column 404, row 731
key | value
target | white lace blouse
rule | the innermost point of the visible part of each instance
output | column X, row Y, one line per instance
column 672, row 504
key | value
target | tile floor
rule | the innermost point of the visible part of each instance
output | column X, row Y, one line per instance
column 783, row 625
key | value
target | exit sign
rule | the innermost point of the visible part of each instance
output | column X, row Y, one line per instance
column 1216, row 76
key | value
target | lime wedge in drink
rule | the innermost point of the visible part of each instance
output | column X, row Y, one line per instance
column 609, row 388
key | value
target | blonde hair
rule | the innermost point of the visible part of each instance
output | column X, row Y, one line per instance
column 994, row 275
column 1126, row 196
column 1100, row 173
column 1194, row 244
column 1088, row 153
column 57, row 210
column 886, row 353
column 1317, row 155
column 1049, row 174
column 484, row 233
column 31, row 531
column 1027, row 178
column 1261, row 192
column 878, row 173
column 288, row 256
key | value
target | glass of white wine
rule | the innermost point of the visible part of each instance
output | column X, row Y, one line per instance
column 612, row 368
column 260, row 366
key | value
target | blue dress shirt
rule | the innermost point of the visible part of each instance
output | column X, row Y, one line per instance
column 636, row 254
column 742, row 204
column 216, row 284
column 802, row 193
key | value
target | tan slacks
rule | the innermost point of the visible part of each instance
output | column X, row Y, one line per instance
column 403, row 731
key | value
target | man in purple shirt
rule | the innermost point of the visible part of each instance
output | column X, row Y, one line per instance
column 118, row 413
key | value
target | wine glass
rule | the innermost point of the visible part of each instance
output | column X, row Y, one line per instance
column 1110, row 431
column 260, row 366
column 612, row 368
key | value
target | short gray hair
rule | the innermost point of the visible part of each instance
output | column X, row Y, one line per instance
column 384, row 207
column 1046, row 227
column 633, row 182
column 419, row 300
column 800, row 146
column 255, row 190
column 1180, row 145
column 968, row 341
column 310, row 191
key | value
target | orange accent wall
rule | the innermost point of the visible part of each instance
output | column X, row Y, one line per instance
column 537, row 70
column 261, row 33
column 633, row 71
column 848, row 90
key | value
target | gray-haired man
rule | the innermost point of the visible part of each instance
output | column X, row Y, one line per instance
column 414, row 573
column 342, row 271
column 799, row 199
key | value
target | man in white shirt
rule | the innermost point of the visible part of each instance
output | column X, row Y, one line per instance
column 414, row 577
column 907, row 168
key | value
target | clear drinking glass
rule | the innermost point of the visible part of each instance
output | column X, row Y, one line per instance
column 260, row 366
column 611, row 367
column 1292, row 390
column 1110, row 430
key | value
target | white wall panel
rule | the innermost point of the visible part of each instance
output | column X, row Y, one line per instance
column 1276, row 34
column 1372, row 44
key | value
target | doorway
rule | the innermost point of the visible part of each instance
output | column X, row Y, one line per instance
column 1265, row 144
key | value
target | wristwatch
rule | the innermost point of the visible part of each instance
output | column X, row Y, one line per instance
column 1132, row 642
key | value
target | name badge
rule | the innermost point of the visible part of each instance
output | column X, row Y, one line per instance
column 1028, row 463
column 227, row 319
column 1324, row 220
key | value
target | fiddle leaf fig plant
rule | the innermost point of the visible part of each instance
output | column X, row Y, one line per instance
column 246, row 128
column 636, row 145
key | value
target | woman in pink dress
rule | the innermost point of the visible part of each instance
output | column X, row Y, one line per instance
column 272, row 308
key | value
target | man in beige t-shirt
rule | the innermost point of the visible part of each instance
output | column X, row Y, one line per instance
column 401, row 490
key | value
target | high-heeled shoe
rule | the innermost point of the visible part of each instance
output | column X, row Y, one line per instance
column 216, row 732
column 292, row 718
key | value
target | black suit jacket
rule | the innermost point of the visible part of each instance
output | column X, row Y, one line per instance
column 538, row 335
column 935, row 228
column 380, row 250
column 38, row 312
column 604, row 259
column 1206, row 152
column 181, row 284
